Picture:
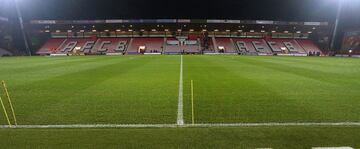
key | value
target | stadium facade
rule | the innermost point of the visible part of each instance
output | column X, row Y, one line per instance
column 175, row 36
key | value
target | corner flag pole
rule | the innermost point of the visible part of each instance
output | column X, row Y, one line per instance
column 6, row 115
column 11, row 105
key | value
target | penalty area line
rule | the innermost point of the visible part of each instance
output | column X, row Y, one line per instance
column 176, row 125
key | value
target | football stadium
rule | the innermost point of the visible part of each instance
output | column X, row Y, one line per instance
column 276, row 74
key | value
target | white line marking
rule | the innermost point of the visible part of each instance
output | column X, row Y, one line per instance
column 184, row 125
column 332, row 148
column 180, row 116
column 94, row 126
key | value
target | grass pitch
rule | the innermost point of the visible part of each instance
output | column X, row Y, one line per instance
column 93, row 90
column 174, row 138
column 273, row 89
column 144, row 90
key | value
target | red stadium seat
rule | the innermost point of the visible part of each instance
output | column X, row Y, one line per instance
column 50, row 46
column 308, row 45
column 150, row 45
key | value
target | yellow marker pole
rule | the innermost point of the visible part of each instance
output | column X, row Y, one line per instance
column 6, row 115
column 192, row 102
column 11, row 105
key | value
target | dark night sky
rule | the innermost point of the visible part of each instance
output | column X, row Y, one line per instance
column 282, row 10
column 288, row 10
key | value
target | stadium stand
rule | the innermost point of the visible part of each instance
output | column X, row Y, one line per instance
column 146, row 45
column 209, row 45
column 51, row 46
column 176, row 45
column 190, row 36
column 225, row 45
column 110, row 45
column 182, row 44
column 351, row 43
column 285, row 46
column 276, row 47
column 87, row 46
column 261, row 47
column 4, row 52
column 172, row 46
column 308, row 45
column 191, row 46
column 242, row 47
column 73, row 45
column 252, row 45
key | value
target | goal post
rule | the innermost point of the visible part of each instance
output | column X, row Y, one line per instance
column 6, row 115
column 9, row 100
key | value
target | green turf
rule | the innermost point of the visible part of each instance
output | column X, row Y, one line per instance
column 272, row 89
column 144, row 90
column 89, row 90
column 242, row 138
